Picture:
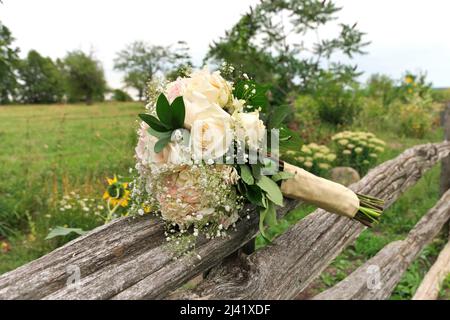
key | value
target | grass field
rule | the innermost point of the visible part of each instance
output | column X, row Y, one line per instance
column 51, row 151
column 48, row 152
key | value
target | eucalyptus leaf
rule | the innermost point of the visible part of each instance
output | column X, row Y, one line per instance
column 256, row 171
column 255, row 195
column 158, row 134
column 282, row 176
column 178, row 113
column 246, row 174
column 153, row 122
column 271, row 216
column 161, row 144
column 262, row 217
column 272, row 190
column 63, row 231
column 163, row 110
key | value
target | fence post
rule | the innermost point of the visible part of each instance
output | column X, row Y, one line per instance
column 445, row 166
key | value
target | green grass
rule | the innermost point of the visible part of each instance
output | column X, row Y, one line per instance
column 48, row 152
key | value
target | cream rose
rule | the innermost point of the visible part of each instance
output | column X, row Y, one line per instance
column 249, row 128
column 211, row 134
column 201, row 90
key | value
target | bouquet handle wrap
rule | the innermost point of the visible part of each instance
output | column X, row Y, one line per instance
column 325, row 194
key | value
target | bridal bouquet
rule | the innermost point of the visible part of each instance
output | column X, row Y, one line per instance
column 208, row 145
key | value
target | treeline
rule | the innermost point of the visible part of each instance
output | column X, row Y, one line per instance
column 79, row 76
column 279, row 54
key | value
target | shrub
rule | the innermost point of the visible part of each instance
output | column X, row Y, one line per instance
column 414, row 87
column 121, row 96
column 358, row 150
column 317, row 159
column 338, row 99
column 441, row 95
column 382, row 89
column 414, row 120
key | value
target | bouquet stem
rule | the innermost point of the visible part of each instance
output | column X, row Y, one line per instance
column 370, row 210
column 331, row 196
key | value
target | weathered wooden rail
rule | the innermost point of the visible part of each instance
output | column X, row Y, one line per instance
column 130, row 259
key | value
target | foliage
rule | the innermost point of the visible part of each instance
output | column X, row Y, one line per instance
column 42, row 81
column 141, row 62
column 170, row 118
column 358, row 150
column 84, row 77
column 414, row 120
column 317, row 159
column 441, row 95
column 9, row 59
column 261, row 43
column 181, row 61
column 382, row 89
column 414, row 87
column 121, row 96
column 338, row 98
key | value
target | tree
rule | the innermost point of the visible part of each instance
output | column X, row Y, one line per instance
column 180, row 61
column 42, row 81
column 9, row 60
column 121, row 96
column 140, row 62
column 271, row 43
column 85, row 78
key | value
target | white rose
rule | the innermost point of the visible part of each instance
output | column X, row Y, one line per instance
column 211, row 134
column 145, row 148
column 249, row 128
column 212, row 85
column 200, row 91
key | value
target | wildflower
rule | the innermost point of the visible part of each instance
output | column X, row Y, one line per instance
column 318, row 155
column 331, row 157
column 347, row 152
column 373, row 155
column 350, row 146
column 324, row 166
column 308, row 164
column 306, row 150
column 117, row 193
column 358, row 150
column 409, row 80
column 343, row 142
column 5, row 247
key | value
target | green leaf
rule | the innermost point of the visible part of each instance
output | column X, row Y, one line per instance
column 277, row 116
column 282, row 176
column 158, row 134
column 256, row 171
column 163, row 110
column 161, row 144
column 255, row 195
column 272, row 190
column 262, row 217
column 62, row 231
column 153, row 122
column 178, row 113
column 271, row 216
column 246, row 174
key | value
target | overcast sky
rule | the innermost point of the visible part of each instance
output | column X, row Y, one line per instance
column 405, row 34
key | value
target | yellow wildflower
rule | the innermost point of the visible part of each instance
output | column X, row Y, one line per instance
column 117, row 193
